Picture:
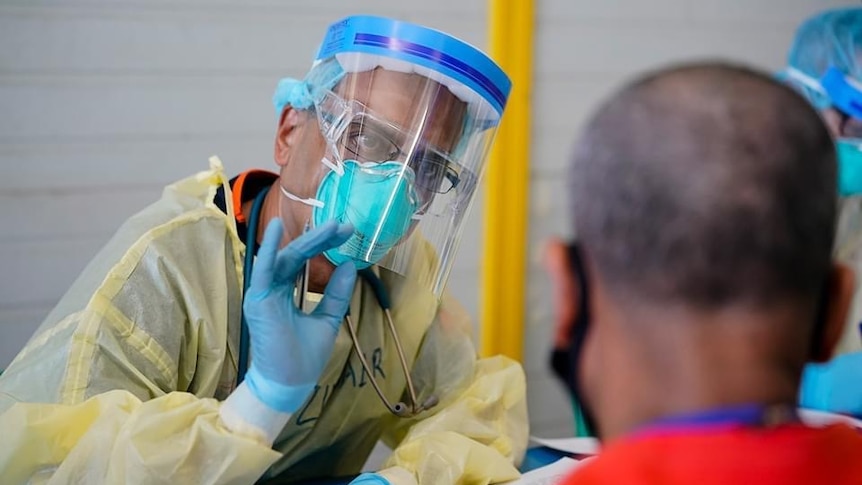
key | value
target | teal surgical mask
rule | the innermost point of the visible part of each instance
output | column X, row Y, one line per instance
column 378, row 199
column 849, row 152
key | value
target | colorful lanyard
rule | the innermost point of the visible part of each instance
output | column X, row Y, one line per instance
column 750, row 415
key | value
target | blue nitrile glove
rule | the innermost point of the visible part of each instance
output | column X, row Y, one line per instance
column 835, row 386
column 369, row 479
column 289, row 348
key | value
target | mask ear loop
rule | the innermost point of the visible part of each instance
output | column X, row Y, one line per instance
column 335, row 166
column 818, row 352
column 309, row 201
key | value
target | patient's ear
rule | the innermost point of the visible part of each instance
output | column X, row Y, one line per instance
column 286, row 135
column 842, row 283
column 563, row 290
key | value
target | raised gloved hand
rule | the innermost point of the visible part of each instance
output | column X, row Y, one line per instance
column 835, row 386
column 289, row 348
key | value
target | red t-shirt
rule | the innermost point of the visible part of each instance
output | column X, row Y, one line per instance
column 730, row 455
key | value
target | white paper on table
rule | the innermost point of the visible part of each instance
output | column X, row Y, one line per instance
column 548, row 475
column 575, row 446
column 822, row 418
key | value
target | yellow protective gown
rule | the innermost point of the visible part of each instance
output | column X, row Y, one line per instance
column 848, row 249
column 122, row 383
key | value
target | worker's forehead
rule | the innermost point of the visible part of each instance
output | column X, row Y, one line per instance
column 409, row 101
column 380, row 82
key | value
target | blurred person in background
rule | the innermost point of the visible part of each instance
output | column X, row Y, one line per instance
column 825, row 65
column 282, row 324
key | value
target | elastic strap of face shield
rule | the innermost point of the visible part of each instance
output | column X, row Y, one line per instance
column 806, row 85
column 844, row 92
column 833, row 89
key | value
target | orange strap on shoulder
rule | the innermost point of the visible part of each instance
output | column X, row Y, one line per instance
column 237, row 192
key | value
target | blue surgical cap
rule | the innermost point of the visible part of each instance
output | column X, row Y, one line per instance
column 831, row 38
column 301, row 94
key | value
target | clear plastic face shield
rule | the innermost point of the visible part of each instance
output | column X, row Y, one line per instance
column 406, row 116
column 839, row 98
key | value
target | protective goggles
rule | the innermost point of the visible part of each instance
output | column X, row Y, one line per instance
column 845, row 94
column 833, row 90
column 354, row 131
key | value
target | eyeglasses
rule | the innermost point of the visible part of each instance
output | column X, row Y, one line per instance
column 367, row 137
column 848, row 126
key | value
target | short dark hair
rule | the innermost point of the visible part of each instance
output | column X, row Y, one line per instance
column 706, row 184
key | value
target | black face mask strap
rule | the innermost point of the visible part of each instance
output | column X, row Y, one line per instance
column 818, row 332
column 579, row 330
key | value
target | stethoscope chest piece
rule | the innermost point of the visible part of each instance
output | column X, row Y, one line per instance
column 399, row 409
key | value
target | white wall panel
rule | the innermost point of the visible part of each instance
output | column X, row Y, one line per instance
column 37, row 273
column 191, row 38
column 35, row 217
column 51, row 167
column 16, row 329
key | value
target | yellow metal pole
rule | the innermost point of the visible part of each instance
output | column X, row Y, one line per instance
column 506, row 204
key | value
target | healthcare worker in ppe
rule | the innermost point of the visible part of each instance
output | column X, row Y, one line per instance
column 825, row 65
column 279, row 325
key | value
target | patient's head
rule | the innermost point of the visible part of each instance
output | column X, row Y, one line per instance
column 703, row 199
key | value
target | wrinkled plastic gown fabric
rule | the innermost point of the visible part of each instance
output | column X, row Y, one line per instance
column 122, row 382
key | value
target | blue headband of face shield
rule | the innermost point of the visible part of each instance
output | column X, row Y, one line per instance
column 421, row 46
column 844, row 92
